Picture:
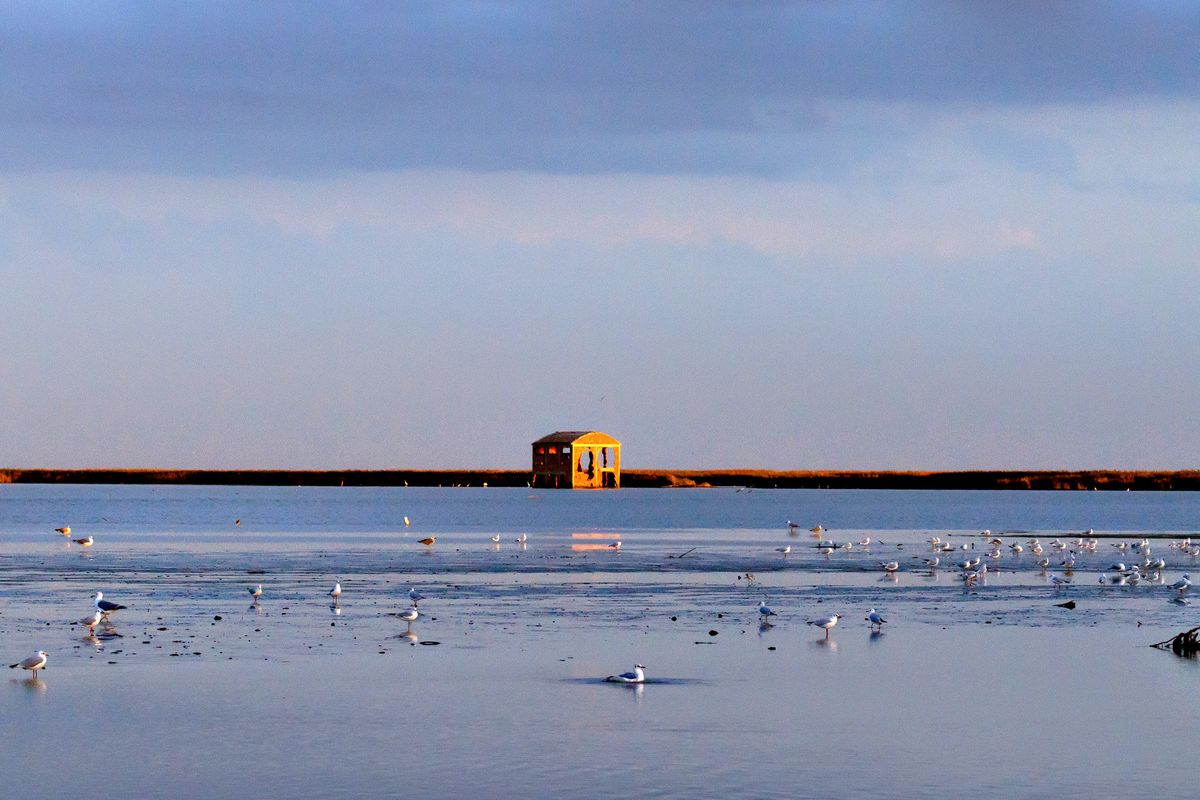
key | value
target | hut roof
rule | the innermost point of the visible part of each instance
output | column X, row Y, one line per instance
column 584, row 437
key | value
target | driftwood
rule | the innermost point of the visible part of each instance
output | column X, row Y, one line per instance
column 1186, row 644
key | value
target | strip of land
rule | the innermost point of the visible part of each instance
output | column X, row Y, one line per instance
column 1110, row 480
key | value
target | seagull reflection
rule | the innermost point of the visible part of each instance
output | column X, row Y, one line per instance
column 33, row 684
column 108, row 630
column 764, row 626
column 875, row 637
column 256, row 608
column 826, row 644
column 409, row 636
column 336, row 609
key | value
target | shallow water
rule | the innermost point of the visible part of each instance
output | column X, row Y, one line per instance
column 497, row 689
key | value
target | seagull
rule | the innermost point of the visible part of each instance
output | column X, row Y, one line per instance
column 1182, row 584
column 865, row 542
column 65, row 531
column 932, row 563
column 92, row 620
column 825, row 551
column 522, row 538
column 637, row 676
column 105, row 607
column 496, row 538
column 406, row 522
column 415, row 596
column 785, row 550
column 336, row 591
column 255, row 592
column 764, row 611
column 818, row 529
column 1058, row 582
column 615, row 545
column 792, row 525
column 1016, row 548
column 410, row 614
column 33, row 663
column 427, row 541
column 825, row 622
column 890, row 566
column 875, row 618
column 85, row 541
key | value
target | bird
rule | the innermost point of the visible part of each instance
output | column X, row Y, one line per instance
column 819, row 529
column 496, row 538
column 336, row 591
column 785, row 549
column 792, row 525
column 1059, row 582
column 406, row 522
column 865, row 542
column 33, row 663
column 825, row 622
column 875, row 618
column 932, row 563
column 237, row 523
column 415, row 596
column 637, row 676
column 428, row 541
column 765, row 611
column 86, row 541
column 410, row 614
column 1182, row 584
column 1016, row 548
column 615, row 545
column 104, row 606
column 92, row 620
column 65, row 531
column 890, row 566
column 522, row 538
column 255, row 592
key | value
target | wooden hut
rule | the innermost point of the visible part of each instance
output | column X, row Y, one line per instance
column 577, row 460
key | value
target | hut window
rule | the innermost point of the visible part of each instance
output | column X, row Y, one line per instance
column 541, row 451
column 566, row 449
column 551, row 449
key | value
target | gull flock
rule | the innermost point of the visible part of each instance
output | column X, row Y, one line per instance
column 1136, row 564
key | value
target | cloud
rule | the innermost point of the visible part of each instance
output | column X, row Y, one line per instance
column 303, row 89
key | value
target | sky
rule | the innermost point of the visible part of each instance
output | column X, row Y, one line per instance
column 812, row 235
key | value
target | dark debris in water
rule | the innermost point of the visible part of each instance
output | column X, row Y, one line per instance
column 1185, row 644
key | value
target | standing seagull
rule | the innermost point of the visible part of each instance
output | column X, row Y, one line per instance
column 65, row 531
column 105, row 607
column 91, row 621
column 637, row 676
column 785, row 549
column 1058, row 582
column 415, row 596
column 1182, row 584
column 876, row 619
column 495, row 538
column 427, row 541
column 764, row 611
column 85, row 541
column 410, row 615
column 33, row 663
column 522, row 538
column 826, row 622
column 255, row 592
column 336, row 591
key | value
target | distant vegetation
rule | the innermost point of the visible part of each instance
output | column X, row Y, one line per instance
column 1110, row 480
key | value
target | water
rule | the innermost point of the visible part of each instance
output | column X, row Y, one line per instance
column 496, row 690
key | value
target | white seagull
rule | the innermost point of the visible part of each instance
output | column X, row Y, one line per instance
column 336, row 591
column 764, row 611
column 1182, row 584
column 65, row 531
column 1058, row 582
column 255, row 592
column 785, row 549
column 496, row 538
column 33, row 663
column 876, row 619
column 522, row 538
column 86, row 541
column 410, row 614
column 637, row 676
column 825, row 622
column 104, row 606
column 92, row 620
column 890, row 566
column 415, row 596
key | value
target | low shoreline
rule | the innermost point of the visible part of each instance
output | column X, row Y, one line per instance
column 1062, row 480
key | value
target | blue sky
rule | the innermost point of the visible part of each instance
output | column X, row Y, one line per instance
column 793, row 236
